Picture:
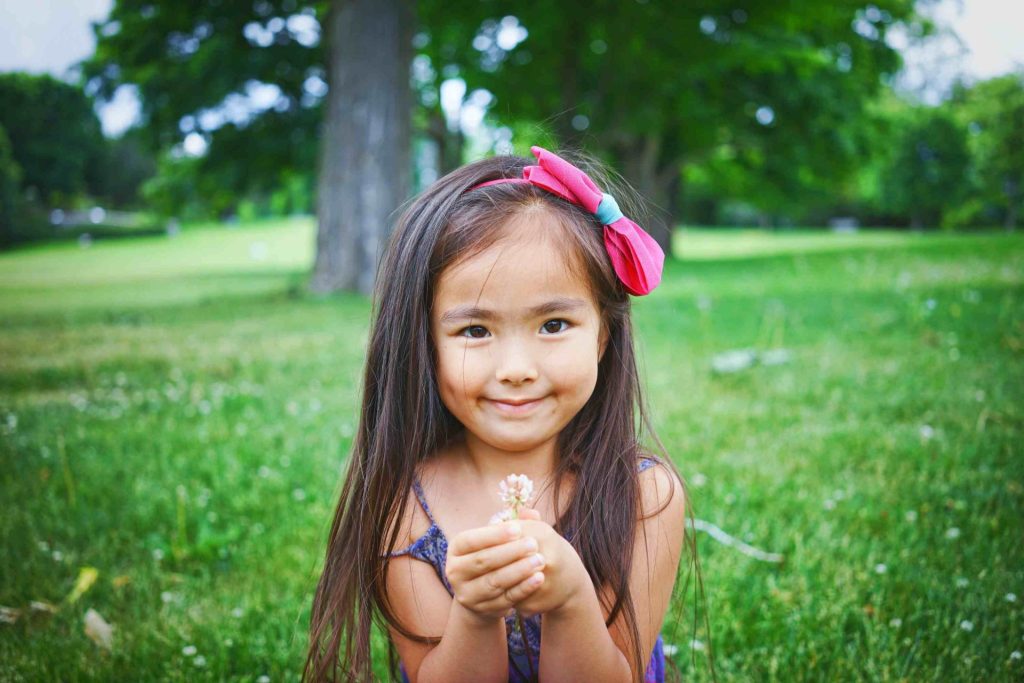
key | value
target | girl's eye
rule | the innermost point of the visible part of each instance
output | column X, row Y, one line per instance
column 555, row 326
column 474, row 331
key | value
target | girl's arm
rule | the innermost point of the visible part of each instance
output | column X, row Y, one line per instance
column 470, row 650
column 489, row 570
column 575, row 643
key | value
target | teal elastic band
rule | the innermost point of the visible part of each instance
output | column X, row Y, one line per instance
column 608, row 210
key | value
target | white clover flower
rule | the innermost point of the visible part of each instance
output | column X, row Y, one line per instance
column 895, row 622
column 697, row 645
column 961, row 582
column 199, row 661
column 670, row 650
column 881, row 568
column 967, row 625
column 189, row 650
column 910, row 516
column 516, row 491
column 506, row 515
column 1016, row 655
column 263, row 679
column 953, row 533
column 1010, row 597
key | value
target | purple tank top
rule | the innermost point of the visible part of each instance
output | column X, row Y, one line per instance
column 523, row 647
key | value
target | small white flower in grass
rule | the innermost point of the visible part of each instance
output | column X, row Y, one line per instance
column 1016, row 655
column 237, row 612
column 967, row 625
column 910, row 516
column 961, row 582
column 896, row 622
column 57, row 556
column 44, row 546
column 263, row 471
column 670, row 650
column 228, row 642
column 158, row 554
column 263, row 679
column 166, row 597
column 199, row 661
column 930, row 304
column 698, row 480
column 881, row 568
column 1010, row 597
column 299, row 495
column 697, row 645
column 516, row 491
column 926, row 432
column 829, row 504
column 189, row 650
column 953, row 533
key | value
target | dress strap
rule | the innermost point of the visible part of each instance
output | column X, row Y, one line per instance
column 422, row 499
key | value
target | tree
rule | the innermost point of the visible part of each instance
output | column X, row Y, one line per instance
column 54, row 134
column 928, row 168
column 249, row 80
column 994, row 113
column 365, row 161
column 10, row 181
column 654, row 87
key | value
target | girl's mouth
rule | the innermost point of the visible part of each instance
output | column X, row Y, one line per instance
column 515, row 406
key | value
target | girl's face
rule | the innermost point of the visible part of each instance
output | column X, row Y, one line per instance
column 518, row 338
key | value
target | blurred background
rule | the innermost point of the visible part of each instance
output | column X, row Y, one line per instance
column 833, row 360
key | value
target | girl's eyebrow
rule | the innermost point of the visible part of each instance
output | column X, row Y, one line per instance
column 556, row 305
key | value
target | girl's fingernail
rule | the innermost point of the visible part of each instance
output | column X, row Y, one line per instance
column 537, row 560
column 531, row 545
column 536, row 578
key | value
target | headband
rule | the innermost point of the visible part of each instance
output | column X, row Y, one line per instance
column 636, row 257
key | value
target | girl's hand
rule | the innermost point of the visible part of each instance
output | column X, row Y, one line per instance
column 494, row 567
column 564, row 573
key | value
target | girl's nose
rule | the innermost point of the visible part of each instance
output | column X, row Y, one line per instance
column 515, row 365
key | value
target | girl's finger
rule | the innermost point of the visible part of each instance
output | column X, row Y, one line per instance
column 473, row 540
column 469, row 567
column 529, row 513
column 521, row 591
column 496, row 583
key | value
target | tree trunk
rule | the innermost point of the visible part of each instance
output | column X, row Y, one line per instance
column 365, row 161
column 655, row 183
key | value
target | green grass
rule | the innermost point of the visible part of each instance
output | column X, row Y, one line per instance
column 176, row 412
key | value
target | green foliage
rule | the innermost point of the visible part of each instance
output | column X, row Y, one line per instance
column 176, row 414
column 189, row 58
column 993, row 111
column 54, row 133
column 928, row 168
column 10, row 188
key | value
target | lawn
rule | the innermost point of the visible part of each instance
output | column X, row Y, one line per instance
column 175, row 414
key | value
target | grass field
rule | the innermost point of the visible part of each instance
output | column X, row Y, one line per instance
column 175, row 413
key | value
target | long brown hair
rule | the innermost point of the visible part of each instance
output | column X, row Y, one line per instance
column 403, row 420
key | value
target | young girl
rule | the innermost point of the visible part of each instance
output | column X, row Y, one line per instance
column 502, row 344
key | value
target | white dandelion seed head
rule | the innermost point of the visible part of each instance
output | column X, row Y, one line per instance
column 516, row 490
column 967, row 625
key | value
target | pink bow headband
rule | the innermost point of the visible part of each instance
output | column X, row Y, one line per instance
column 636, row 257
